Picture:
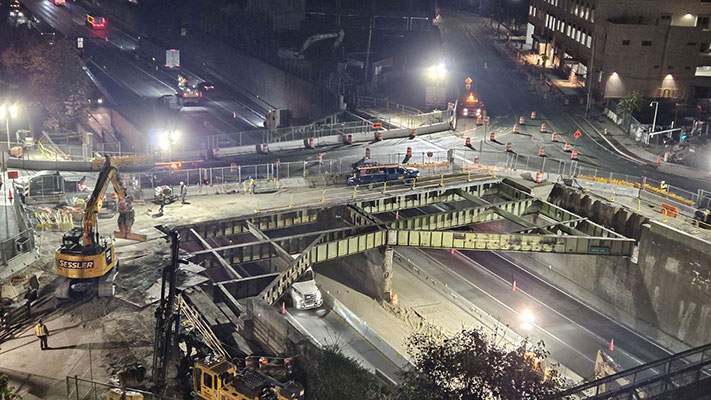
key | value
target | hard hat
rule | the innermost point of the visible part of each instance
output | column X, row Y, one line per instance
column 181, row 182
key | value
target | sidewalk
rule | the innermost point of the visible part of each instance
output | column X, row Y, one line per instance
column 624, row 144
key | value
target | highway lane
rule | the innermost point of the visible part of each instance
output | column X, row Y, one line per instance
column 110, row 48
column 572, row 332
column 325, row 328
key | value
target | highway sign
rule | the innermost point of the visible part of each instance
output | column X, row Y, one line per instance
column 577, row 134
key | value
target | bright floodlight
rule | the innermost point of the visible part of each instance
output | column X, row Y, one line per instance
column 14, row 110
column 527, row 319
column 438, row 71
column 164, row 141
column 175, row 136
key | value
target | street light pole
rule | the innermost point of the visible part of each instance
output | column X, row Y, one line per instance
column 656, row 107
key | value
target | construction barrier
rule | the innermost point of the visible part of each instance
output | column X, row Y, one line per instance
column 515, row 128
column 367, row 152
column 413, row 133
column 378, row 136
column 533, row 115
column 554, row 136
column 508, row 147
column 544, row 128
column 574, row 155
column 670, row 210
column 521, row 120
column 539, row 177
column 542, row 151
column 566, row 148
column 468, row 142
column 492, row 136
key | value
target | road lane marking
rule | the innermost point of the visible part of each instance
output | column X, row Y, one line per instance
column 512, row 262
column 507, row 307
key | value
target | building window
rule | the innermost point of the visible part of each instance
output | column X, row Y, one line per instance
column 656, row 67
column 646, row 43
column 664, row 19
column 592, row 15
column 704, row 22
column 687, row 67
column 625, row 42
column 589, row 41
column 691, row 43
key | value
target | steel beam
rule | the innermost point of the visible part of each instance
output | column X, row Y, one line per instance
column 281, row 253
column 215, row 254
column 468, row 216
column 426, row 197
column 330, row 250
column 236, row 226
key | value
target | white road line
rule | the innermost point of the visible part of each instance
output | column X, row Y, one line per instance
column 494, row 298
column 512, row 262
column 591, row 333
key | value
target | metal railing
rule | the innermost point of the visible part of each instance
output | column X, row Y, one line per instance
column 648, row 380
column 20, row 243
column 336, row 168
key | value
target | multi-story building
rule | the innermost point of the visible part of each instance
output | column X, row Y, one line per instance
column 658, row 47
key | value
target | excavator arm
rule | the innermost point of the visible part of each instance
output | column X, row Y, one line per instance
column 108, row 173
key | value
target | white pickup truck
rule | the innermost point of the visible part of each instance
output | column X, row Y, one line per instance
column 304, row 292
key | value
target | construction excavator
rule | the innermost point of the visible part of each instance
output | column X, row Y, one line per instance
column 84, row 256
column 298, row 53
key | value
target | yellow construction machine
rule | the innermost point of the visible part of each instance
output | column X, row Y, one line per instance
column 217, row 378
column 85, row 256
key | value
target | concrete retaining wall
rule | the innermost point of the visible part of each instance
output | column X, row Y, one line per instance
column 362, row 328
column 273, row 85
column 664, row 294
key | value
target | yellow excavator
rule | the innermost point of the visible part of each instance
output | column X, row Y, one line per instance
column 84, row 256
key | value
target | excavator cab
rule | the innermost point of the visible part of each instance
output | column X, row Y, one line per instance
column 84, row 256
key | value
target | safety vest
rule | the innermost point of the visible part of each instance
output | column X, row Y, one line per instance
column 40, row 330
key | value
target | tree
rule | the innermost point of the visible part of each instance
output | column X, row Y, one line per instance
column 7, row 392
column 332, row 375
column 629, row 105
column 52, row 75
column 467, row 365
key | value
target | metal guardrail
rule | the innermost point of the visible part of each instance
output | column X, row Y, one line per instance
column 648, row 380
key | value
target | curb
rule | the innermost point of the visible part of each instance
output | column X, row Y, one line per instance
column 628, row 155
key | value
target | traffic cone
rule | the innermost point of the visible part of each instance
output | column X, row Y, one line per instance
column 9, row 195
column 513, row 286
column 397, row 215
column 451, row 251
column 612, row 345
column 283, row 308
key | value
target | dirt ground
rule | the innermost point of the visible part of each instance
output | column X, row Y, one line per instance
column 121, row 328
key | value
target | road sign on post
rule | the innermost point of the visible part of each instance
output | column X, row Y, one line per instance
column 577, row 134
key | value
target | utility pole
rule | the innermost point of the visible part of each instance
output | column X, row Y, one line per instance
column 367, row 54
column 165, row 344
column 591, row 79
